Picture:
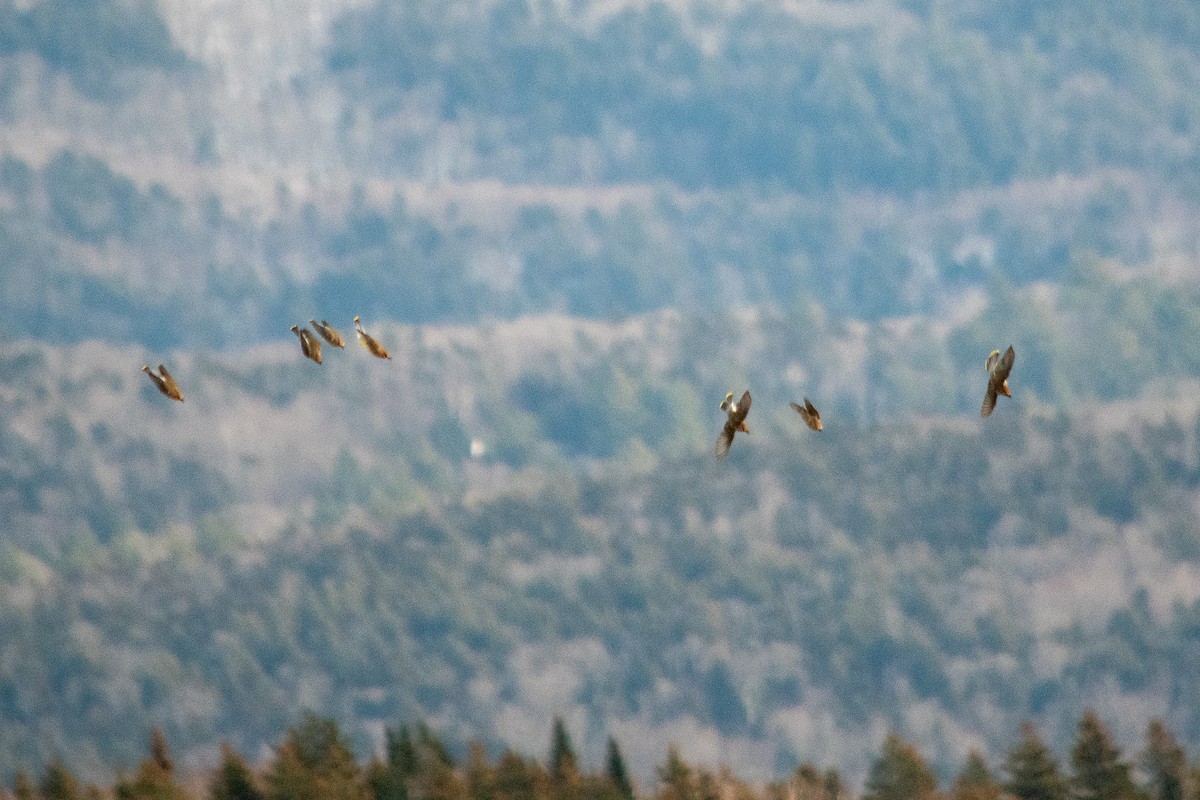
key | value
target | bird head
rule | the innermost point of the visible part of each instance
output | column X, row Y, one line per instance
column 727, row 402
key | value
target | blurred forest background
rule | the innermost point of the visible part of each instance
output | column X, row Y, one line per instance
column 576, row 224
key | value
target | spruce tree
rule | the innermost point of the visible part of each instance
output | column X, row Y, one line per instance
column 23, row 788
column 975, row 781
column 900, row 773
column 1033, row 772
column 563, row 764
column 516, row 778
column 234, row 780
column 614, row 768
column 401, row 752
column 1164, row 763
column 314, row 763
column 481, row 779
column 678, row 779
column 1098, row 771
column 58, row 782
column 155, row 776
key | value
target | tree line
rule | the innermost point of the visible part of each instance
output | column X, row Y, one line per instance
column 315, row 761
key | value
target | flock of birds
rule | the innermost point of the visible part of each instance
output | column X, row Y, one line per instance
column 310, row 345
column 998, row 368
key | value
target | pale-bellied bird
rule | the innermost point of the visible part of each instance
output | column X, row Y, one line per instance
column 809, row 414
column 373, row 347
column 736, row 421
column 328, row 333
column 309, row 344
column 165, row 383
column 998, row 368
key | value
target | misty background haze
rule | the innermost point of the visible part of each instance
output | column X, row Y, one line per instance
column 576, row 225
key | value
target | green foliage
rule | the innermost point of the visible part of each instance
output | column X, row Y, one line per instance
column 781, row 100
column 677, row 779
column 900, row 773
column 1099, row 773
column 314, row 763
column 233, row 780
column 564, row 766
column 59, row 783
column 1032, row 769
column 155, row 778
column 616, row 771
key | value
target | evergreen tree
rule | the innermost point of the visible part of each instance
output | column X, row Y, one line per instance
column 435, row 777
column 59, row 783
column 835, row 787
column 563, row 764
column 401, row 752
column 517, row 779
column 1033, row 772
column 808, row 783
column 614, row 768
column 1099, row 772
column 23, row 788
column 314, row 763
column 677, row 779
column 431, row 746
column 976, row 781
column 155, row 776
column 1164, row 763
column 481, row 782
column 234, row 780
column 900, row 773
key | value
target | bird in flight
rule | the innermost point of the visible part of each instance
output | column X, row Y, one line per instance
column 735, row 422
column 998, row 367
column 809, row 413
column 165, row 383
column 373, row 347
column 310, row 345
column 328, row 333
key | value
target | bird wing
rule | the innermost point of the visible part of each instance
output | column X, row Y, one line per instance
column 813, row 417
column 989, row 400
column 725, row 440
column 809, row 414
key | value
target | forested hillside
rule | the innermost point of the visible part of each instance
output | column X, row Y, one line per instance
column 576, row 227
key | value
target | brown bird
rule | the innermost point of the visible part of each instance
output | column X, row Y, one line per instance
column 309, row 344
column 328, row 333
column 736, row 421
column 374, row 347
column 165, row 383
column 809, row 414
column 998, row 368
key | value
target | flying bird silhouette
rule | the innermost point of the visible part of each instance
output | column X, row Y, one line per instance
column 165, row 383
column 373, row 347
column 328, row 333
column 736, row 421
column 309, row 344
column 809, row 413
column 998, row 368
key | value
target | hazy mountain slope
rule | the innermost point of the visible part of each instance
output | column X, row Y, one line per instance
column 296, row 535
column 576, row 229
